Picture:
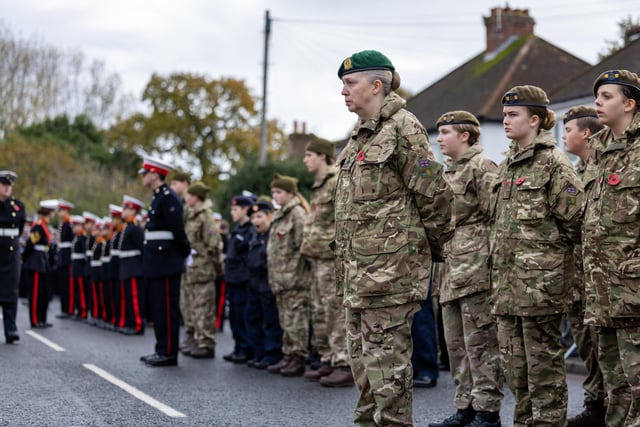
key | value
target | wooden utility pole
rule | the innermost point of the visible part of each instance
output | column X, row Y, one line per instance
column 263, row 129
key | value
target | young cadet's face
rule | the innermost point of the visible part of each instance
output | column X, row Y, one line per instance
column 238, row 213
column 357, row 91
column 575, row 140
column 451, row 141
column 261, row 220
column 518, row 124
column 5, row 191
column 280, row 196
column 180, row 187
column 610, row 104
column 313, row 161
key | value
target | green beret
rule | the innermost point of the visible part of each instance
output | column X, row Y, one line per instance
column 617, row 77
column 579, row 112
column 365, row 60
column 198, row 189
column 321, row 146
column 287, row 183
column 457, row 118
column 526, row 96
column 181, row 176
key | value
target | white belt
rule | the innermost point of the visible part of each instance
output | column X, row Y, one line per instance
column 129, row 254
column 9, row 232
column 96, row 263
column 89, row 253
column 115, row 252
column 78, row 256
column 105, row 259
column 64, row 245
column 41, row 248
column 158, row 235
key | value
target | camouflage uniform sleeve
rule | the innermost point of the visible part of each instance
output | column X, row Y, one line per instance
column 424, row 177
column 484, row 176
column 213, row 242
column 566, row 199
column 297, row 218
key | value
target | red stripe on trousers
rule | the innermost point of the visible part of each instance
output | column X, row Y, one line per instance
column 34, row 298
column 94, row 295
column 83, row 300
column 72, row 299
column 220, row 313
column 136, row 303
column 103, row 315
column 166, row 281
column 123, row 305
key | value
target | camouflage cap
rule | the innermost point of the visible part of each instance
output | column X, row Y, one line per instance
column 198, row 189
column 617, row 77
column 579, row 112
column 321, row 146
column 526, row 96
column 287, row 183
column 365, row 60
column 181, row 176
column 459, row 117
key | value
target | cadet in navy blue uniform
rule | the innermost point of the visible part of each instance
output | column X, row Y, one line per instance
column 78, row 267
column 132, row 290
column 237, row 278
column 12, row 220
column 36, row 264
column 89, row 228
column 264, row 331
column 165, row 249
column 64, row 281
column 96, row 273
column 113, row 273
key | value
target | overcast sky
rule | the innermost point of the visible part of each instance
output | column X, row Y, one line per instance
column 424, row 39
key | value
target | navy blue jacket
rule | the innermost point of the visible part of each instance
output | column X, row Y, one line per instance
column 131, row 243
column 36, row 255
column 63, row 257
column 78, row 256
column 114, row 257
column 235, row 263
column 257, row 262
column 165, row 257
column 96, row 261
column 89, row 254
column 12, row 217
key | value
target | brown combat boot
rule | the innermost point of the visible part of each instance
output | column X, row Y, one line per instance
column 202, row 353
column 315, row 374
column 189, row 349
column 275, row 368
column 592, row 416
column 340, row 377
column 189, row 341
column 294, row 368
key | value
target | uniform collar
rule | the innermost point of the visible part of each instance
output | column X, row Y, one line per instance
column 392, row 104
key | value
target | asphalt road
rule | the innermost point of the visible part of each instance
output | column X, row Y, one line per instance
column 63, row 382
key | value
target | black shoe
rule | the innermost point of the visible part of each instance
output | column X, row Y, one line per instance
column 252, row 363
column 229, row 357
column 486, row 419
column 42, row 325
column 240, row 358
column 160, row 360
column 131, row 331
column 261, row 364
column 443, row 366
column 593, row 415
column 76, row 317
column 425, row 382
column 62, row 316
column 461, row 418
column 11, row 337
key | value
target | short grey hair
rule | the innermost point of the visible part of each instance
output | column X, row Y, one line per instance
column 385, row 76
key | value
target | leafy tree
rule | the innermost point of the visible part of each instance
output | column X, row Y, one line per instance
column 208, row 125
column 625, row 25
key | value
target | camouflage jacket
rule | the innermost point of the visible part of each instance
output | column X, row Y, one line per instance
column 536, row 212
column 467, row 254
column 577, row 281
column 206, row 246
column 320, row 226
column 393, row 210
column 611, row 230
column 284, row 260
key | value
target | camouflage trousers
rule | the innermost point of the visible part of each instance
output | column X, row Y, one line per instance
column 619, row 357
column 327, row 314
column 380, row 347
column 293, row 311
column 533, row 362
column 586, row 340
column 474, row 357
column 198, row 308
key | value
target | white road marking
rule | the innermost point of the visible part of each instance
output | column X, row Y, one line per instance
column 134, row 391
column 45, row 341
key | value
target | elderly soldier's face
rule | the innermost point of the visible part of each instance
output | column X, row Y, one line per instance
column 611, row 104
column 575, row 139
column 5, row 191
column 452, row 142
column 357, row 91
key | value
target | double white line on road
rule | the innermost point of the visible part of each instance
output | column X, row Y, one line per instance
column 167, row 410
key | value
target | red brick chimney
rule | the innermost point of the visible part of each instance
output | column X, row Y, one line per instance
column 505, row 23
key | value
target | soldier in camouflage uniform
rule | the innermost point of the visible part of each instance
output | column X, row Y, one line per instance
column 393, row 216
column 580, row 123
column 611, row 242
column 205, row 262
column 327, row 312
column 288, row 275
column 536, row 213
column 469, row 329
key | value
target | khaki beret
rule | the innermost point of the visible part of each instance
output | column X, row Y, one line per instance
column 181, row 176
column 579, row 112
column 617, row 77
column 321, row 146
column 459, row 117
column 526, row 96
column 365, row 60
column 287, row 183
column 198, row 189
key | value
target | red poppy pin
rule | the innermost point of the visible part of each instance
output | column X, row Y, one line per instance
column 614, row 179
column 360, row 156
column 519, row 181
column 16, row 208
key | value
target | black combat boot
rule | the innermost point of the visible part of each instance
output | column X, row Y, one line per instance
column 592, row 416
column 486, row 419
column 461, row 418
